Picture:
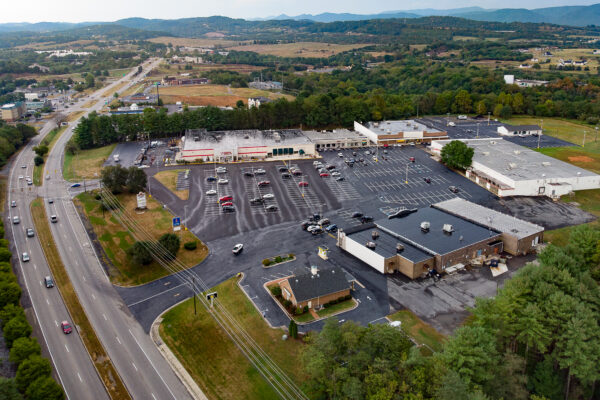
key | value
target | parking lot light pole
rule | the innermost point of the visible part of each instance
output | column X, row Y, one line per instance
column 406, row 179
column 477, row 137
column 489, row 113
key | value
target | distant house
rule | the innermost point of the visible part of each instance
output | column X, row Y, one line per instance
column 513, row 130
column 257, row 101
column 173, row 81
column 547, row 54
column 530, row 82
column 596, row 52
column 315, row 288
column 524, row 66
column 13, row 111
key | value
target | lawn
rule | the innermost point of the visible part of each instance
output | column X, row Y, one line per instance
column 571, row 131
column 214, row 95
column 421, row 332
column 86, row 164
column 336, row 308
column 115, row 239
column 587, row 157
column 49, row 141
column 299, row 49
column 169, row 180
column 97, row 353
column 214, row 361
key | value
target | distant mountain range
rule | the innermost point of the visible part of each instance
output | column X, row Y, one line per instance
column 565, row 15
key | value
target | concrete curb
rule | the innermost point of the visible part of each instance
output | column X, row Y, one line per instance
column 239, row 283
column 179, row 370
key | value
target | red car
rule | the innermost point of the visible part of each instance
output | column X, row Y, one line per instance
column 303, row 184
column 66, row 327
column 263, row 183
column 412, row 159
column 227, row 203
column 324, row 175
column 297, row 172
column 225, row 198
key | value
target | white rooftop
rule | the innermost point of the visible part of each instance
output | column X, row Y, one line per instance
column 517, row 162
column 8, row 106
column 226, row 140
column 489, row 218
column 393, row 127
column 335, row 134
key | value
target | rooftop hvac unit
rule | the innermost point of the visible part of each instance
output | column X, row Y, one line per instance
column 448, row 228
column 399, row 248
column 371, row 245
column 313, row 269
column 425, row 226
column 512, row 165
column 376, row 124
column 486, row 153
column 374, row 235
column 517, row 152
column 546, row 163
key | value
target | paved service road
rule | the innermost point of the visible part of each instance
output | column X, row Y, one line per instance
column 144, row 371
column 71, row 360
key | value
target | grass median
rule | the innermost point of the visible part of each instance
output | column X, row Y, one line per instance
column 169, row 180
column 49, row 140
column 110, row 377
column 421, row 332
column 211, row 357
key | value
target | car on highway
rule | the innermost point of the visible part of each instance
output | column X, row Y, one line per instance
column 271, row 208
column 228, row 209
column 50, row 201
column 226, row 204
column 25, row 257
column 303, row 184
column 16, row 219
column 260, row 171
column 211, row 179
column 13, row 203
column 29, row 182
column 53, row 219
column 47, row 177
column 263, row 183
column 225, row 198
column 48, row 282
column 23, row 166
column 222, row 181
column 238, row 248
column 453, row 189
column 268, row 196
column 324, row 175
column 20, row 177
column 66, row 327
column 30, row 232
column 211, row 192
column 75, row 185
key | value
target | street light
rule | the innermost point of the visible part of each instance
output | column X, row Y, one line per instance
column 478, row 130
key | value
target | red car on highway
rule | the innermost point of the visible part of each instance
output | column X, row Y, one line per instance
column 263, row 183
column 225, row 198
column 66, row 327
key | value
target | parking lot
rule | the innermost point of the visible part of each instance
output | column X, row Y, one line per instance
column 471, row 128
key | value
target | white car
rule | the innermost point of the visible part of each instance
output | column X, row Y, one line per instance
column 221, row 170
column 268, row 196
column 222, row 181
column 340, row 155
column 211, row 192
column 335, row 173
column 20, row 177
column 25, row 257
column 260, row 171
column 237, row 249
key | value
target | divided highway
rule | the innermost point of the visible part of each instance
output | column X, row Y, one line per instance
column 142, row 368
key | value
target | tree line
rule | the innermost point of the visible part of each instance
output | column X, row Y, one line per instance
column 538, row 339
column 13, row 138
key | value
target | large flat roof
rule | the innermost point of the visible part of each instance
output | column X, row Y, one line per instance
column 198, row 139
column 435, row 240
column 386, row 244
column 488, row 217
column 333, row 135
column 393, row 127
column 519, row 163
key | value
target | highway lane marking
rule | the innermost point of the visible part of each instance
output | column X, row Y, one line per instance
column 153, row 396
column 79, row 376
column 83, row 276
column 47, row 302
column 67, row 348
column 155, row 295
column 118, row 340
column 34, row 266
column 93, row 297
column 134, row 366
column 56, row 322
column 104, row 315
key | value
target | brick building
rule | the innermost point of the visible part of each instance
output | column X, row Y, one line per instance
column 315, row 288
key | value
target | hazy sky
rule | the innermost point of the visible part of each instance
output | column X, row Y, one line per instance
column 110, row 10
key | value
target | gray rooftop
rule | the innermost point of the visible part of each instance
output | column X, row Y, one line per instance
column 393, row 127
column 327, row 280
column 488, row 217
column 386, row 244
column 436, row 241
column 517, row 128
column 519, row 163
column 333, row 135
column 196, row 139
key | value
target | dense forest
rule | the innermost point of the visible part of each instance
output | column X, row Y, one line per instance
column 539, row 338
column 13, row 138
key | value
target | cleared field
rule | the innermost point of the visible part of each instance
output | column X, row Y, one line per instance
column 169, row 180
column 116, row 239
column 587, row 157
column 214, row 361
column 106, row 370
column 571, row 131
column 421, row 332
column 173, row 70
column 299, row 49
column 192, row 42
column 213, row 95
column 86, row 164
column 569, row 54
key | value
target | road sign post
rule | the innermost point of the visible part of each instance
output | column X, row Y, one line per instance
column 176, row 224
column 211, row 297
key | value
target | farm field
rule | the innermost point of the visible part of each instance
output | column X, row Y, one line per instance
column 213, row 95
column 299, row 49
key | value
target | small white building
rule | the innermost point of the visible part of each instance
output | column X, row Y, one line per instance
column 509, row 79
column 507, row 169
column 257, row 101
column 519, row 130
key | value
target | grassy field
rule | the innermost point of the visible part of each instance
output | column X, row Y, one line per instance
column 571, row 131
column 86, row 164
column 214, row 361
column 169, row 180
column 299, row 49
column 587, row 157
column 213, row 95
column 105, row 368
column 421, row 332
column 49, row 141
column 74, row 116
column 569, row 54
column 115, row 239
column 191, row 42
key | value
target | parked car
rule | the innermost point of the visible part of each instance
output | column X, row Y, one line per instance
column 66, row 327
column 23, row 166
column 222, row 181
column 25, row 257
column 48, row 282
column 30, row 232
column 453, row 189
column 248, row 173
column 75, row 185
column 331, row 228
column 286, row 176
column 227, row 204
column 225, row 198
column 340, row 178
column 428, row 180
column 305, row 224
column 282, row 169
column 256, row 201
column 228, row 209
column 340, row 155
column 13, row 203
column 330, row 166
column 318, row 230
column 297, row 172
column 303, row 184
column 412, row 159
column 211, row 192
column 50, row 201
column 335, row 173
column 211, row 179
column 324, row 222
column 263, row 183
column 268, row 196
column 238, row 248
column 271, row 208
column 260, row 171
column 357, row 214
column 324, row 175
column 16, row 220
column 365, row 218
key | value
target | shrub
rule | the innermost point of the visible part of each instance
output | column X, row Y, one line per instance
column 3, row 243
column 305, row 308
column 9, row 312
column 340, row 299
column 31, row 369
column 348, row 297
column 5, row 267
column 10, row 293
column 276, row 291
column 171, row 243
column 326, row 305
column 266, row 262
column 139, row 253
column 44, row 388
column 287, row 303
column 299, row 311
column 278, row 259
column 97, row 196
column 38, row 160
column 293, row 329
column 5, row 254
column 8, row 277
column 190, row 245
column 291, row 256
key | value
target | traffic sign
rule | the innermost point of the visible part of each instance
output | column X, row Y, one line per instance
column 176, row 223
